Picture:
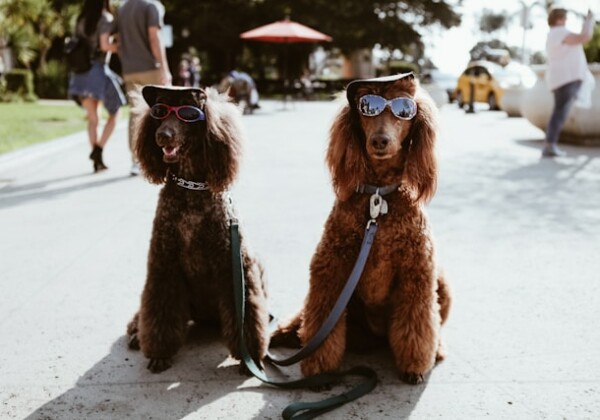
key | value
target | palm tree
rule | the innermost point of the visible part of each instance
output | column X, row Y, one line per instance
column 30, row 26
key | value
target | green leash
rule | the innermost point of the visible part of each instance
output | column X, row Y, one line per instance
column 297, row 410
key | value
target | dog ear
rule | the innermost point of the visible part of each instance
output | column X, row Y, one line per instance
column 346, row 153
column 421, row 163
column 224, row 136
column 148, row 153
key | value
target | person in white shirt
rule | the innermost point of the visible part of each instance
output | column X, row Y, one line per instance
column 567, row 68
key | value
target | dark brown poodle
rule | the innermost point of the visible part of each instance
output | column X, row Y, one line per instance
column 190, row 141
column 378, row 140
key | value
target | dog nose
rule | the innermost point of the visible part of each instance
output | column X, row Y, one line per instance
column 164, row 135
column 380, row 141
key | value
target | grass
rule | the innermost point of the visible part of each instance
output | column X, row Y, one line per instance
column 24, row 124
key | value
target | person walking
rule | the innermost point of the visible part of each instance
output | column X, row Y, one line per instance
column 99, row 84
column 142, row 53
column 567, row 71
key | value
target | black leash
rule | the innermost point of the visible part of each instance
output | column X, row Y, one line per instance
column 308, row 410
column 297, row 410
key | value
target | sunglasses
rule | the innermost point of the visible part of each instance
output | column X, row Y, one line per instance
column 185, row 113
column 373, row 105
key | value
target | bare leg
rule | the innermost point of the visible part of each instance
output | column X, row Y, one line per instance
column 91, row 108
column 109, row 128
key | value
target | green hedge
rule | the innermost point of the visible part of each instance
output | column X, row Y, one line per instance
column 18, row 86
column 51, row 81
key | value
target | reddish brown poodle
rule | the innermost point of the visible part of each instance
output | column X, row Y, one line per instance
column 378, row 140
column 190, row 141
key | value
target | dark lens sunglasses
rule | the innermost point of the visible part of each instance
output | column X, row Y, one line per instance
column 185, row 113
column 373, row 105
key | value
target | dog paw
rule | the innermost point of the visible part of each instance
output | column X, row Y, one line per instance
column 440, row 355
column 411, row 378
column 134, row 342
column 159, row 365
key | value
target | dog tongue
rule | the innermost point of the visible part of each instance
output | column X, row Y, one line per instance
column 170, row 151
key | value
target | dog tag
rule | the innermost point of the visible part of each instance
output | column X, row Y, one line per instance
column 375, row 205
column 384, row 207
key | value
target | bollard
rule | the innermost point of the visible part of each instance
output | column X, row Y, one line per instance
column 471, row 107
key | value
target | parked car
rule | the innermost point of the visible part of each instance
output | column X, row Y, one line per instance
column 490, row 80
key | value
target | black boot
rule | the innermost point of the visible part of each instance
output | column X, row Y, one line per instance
column 96, row 156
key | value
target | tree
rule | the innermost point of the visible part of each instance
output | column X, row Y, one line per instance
column 592, row 48
column 31, row 26
column 490, row 22
column 481, row 50
column 214, row 25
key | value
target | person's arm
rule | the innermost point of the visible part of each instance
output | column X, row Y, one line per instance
column 106, row 45
column 158, row 51
column 587, row 30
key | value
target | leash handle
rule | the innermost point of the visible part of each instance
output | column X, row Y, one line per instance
column 297, row 410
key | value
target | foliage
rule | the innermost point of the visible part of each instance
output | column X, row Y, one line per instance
column 18, row 86
column 490, row 22
column 31, row 26
column 592, row 48
column 51, row 80
column 481, row 50
column 211, row 28
column 214, row 26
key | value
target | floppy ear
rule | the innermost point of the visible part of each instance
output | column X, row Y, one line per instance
column 224, row 136
column 421, row 163
column 148, row 153
column 346, row 153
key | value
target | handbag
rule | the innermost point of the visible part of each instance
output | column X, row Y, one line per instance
column 78, row 54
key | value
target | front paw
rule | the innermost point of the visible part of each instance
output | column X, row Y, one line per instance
column 411, row 378
column 134, row 342
column 159, row 365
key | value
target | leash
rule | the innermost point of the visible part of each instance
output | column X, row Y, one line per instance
column 377, row 206
column 297, row 410
column 308, row 410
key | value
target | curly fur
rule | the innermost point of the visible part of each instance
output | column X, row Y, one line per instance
column 402, row 297
column 189, row 275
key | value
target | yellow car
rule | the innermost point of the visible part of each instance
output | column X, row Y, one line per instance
column 480, row 74
column 490, row 81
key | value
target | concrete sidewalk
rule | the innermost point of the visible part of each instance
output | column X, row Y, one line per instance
column 517, row 235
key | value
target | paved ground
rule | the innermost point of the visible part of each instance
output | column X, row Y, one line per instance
column 518, row 237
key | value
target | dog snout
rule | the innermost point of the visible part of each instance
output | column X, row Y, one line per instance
column 380, row 141
column 164, row 135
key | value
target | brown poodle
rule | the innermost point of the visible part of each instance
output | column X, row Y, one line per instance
column 378, row 141
column 190, row 141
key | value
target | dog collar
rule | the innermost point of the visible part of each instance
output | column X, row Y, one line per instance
column 190, row 185
column 372, row 189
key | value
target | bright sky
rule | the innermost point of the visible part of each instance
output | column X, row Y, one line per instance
column 449, row 49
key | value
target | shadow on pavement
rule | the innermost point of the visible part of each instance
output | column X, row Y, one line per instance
column 19, row 194
column 119, row 385
column 203, row 383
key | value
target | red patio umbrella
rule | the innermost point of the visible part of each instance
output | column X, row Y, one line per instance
column 285, row 32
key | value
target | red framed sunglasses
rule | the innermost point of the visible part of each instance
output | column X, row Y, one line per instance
column 185, row 113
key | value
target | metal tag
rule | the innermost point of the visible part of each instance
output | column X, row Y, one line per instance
column 384, row 207
column 375, row 205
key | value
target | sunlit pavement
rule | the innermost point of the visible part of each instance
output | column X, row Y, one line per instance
column 518, row 236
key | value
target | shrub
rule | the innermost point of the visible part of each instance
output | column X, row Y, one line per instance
column 18, row 86
column 52, row 81
column 592, row 48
